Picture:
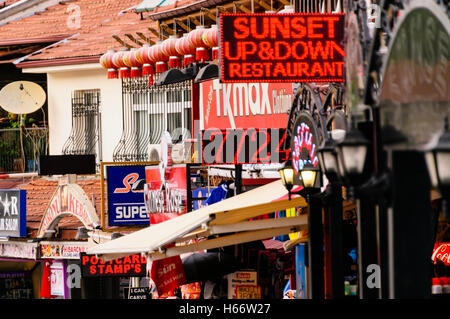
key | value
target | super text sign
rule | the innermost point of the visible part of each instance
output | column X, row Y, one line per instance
column 300, row 47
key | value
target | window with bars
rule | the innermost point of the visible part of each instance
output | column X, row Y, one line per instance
column 148, row 111
column 85, row 136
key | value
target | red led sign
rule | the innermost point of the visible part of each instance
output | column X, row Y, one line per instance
column 298, row 47
column 129, row 266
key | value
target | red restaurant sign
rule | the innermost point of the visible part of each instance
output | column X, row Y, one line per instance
column 244, row 105
column 297, row 47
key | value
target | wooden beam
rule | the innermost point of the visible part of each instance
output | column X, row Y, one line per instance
column 241, row 7
column 26, row 50
column 167, row 29
column 158, row 35
column 136, row 41
column 145, row 38
column 118, row 39
column 181, row 24
column 193, row 19
column 209, row 13
column 263, row 4
column 285, row 2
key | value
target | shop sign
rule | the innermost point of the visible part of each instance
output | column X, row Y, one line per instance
column 62, row 250
column 165, row 192
column 300, row 47
column 442, row 252
column 138, row 293
column 19, row 250
column 248, row 292
column 129, row 266
column 243, row 146
column 69, row 199
column 125, row 195
column 13, row 213
column 244, row 105
column 57, row 279
column 304, row 146
column 240, row 278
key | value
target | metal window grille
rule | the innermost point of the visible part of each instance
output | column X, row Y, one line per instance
column 148, row 111
column 85, row 136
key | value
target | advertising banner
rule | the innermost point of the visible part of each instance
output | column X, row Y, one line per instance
column 125, row 187
column 63, row 250
column 296, row 47
column 240, row 278
column 13, row 213
column 165, row 192
column 57, row 279
column 129, row 266
column 244, row 105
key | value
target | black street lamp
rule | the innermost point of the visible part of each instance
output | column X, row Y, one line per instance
column 328, row 159
column 308, row 177
column 438, row 163
column 352, row 153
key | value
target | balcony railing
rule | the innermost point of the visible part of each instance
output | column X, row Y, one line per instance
column 35, row 143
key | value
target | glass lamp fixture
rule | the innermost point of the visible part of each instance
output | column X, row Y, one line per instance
column 287, row 175
column 308, row 175
column 352, row 153
column 328, row 159
column 438, row 162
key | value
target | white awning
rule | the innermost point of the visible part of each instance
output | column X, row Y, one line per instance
column 230, row 218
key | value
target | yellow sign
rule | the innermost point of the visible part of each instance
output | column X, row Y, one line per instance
column 248, row 292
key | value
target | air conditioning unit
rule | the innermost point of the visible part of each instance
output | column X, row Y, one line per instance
column 154, row 153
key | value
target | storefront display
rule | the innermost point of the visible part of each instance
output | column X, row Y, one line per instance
column 16, row 285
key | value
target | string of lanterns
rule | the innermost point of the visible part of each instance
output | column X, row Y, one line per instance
column 174, row 52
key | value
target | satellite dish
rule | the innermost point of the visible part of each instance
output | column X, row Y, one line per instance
column 22, row 97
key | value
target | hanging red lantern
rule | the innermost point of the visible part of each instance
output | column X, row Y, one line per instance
column 142, row 57
column 195, row 37
column 168, row 48
column 130, row 60
column 211, row 38
column 107, row 63
column 186, row 49
column 161, row 59
column 117, row 60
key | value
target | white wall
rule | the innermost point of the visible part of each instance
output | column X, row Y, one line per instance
column 61, row 84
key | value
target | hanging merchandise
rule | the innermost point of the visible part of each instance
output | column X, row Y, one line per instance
column 46, row 284
column 107, row 63
column 186, row 49
column 117, row 60
column 130, row 60
column 168, row 48
column 148, row 64
column 218, row 194
column 161, row 59
column 211, row 38
column 195, row 38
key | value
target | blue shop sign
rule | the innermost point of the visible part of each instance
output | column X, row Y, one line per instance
column 13, row 213
column 125, row 187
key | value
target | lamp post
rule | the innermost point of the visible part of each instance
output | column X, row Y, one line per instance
column 309, row 175
column 329, row 163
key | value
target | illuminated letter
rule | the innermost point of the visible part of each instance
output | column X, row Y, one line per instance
column 298, row 25
column 312, row 26
column 275, row 24
column 241, row 24
column 295, row 53
column 331, row 21
column 227, row 51
column 253, row 28
column 277, row 50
